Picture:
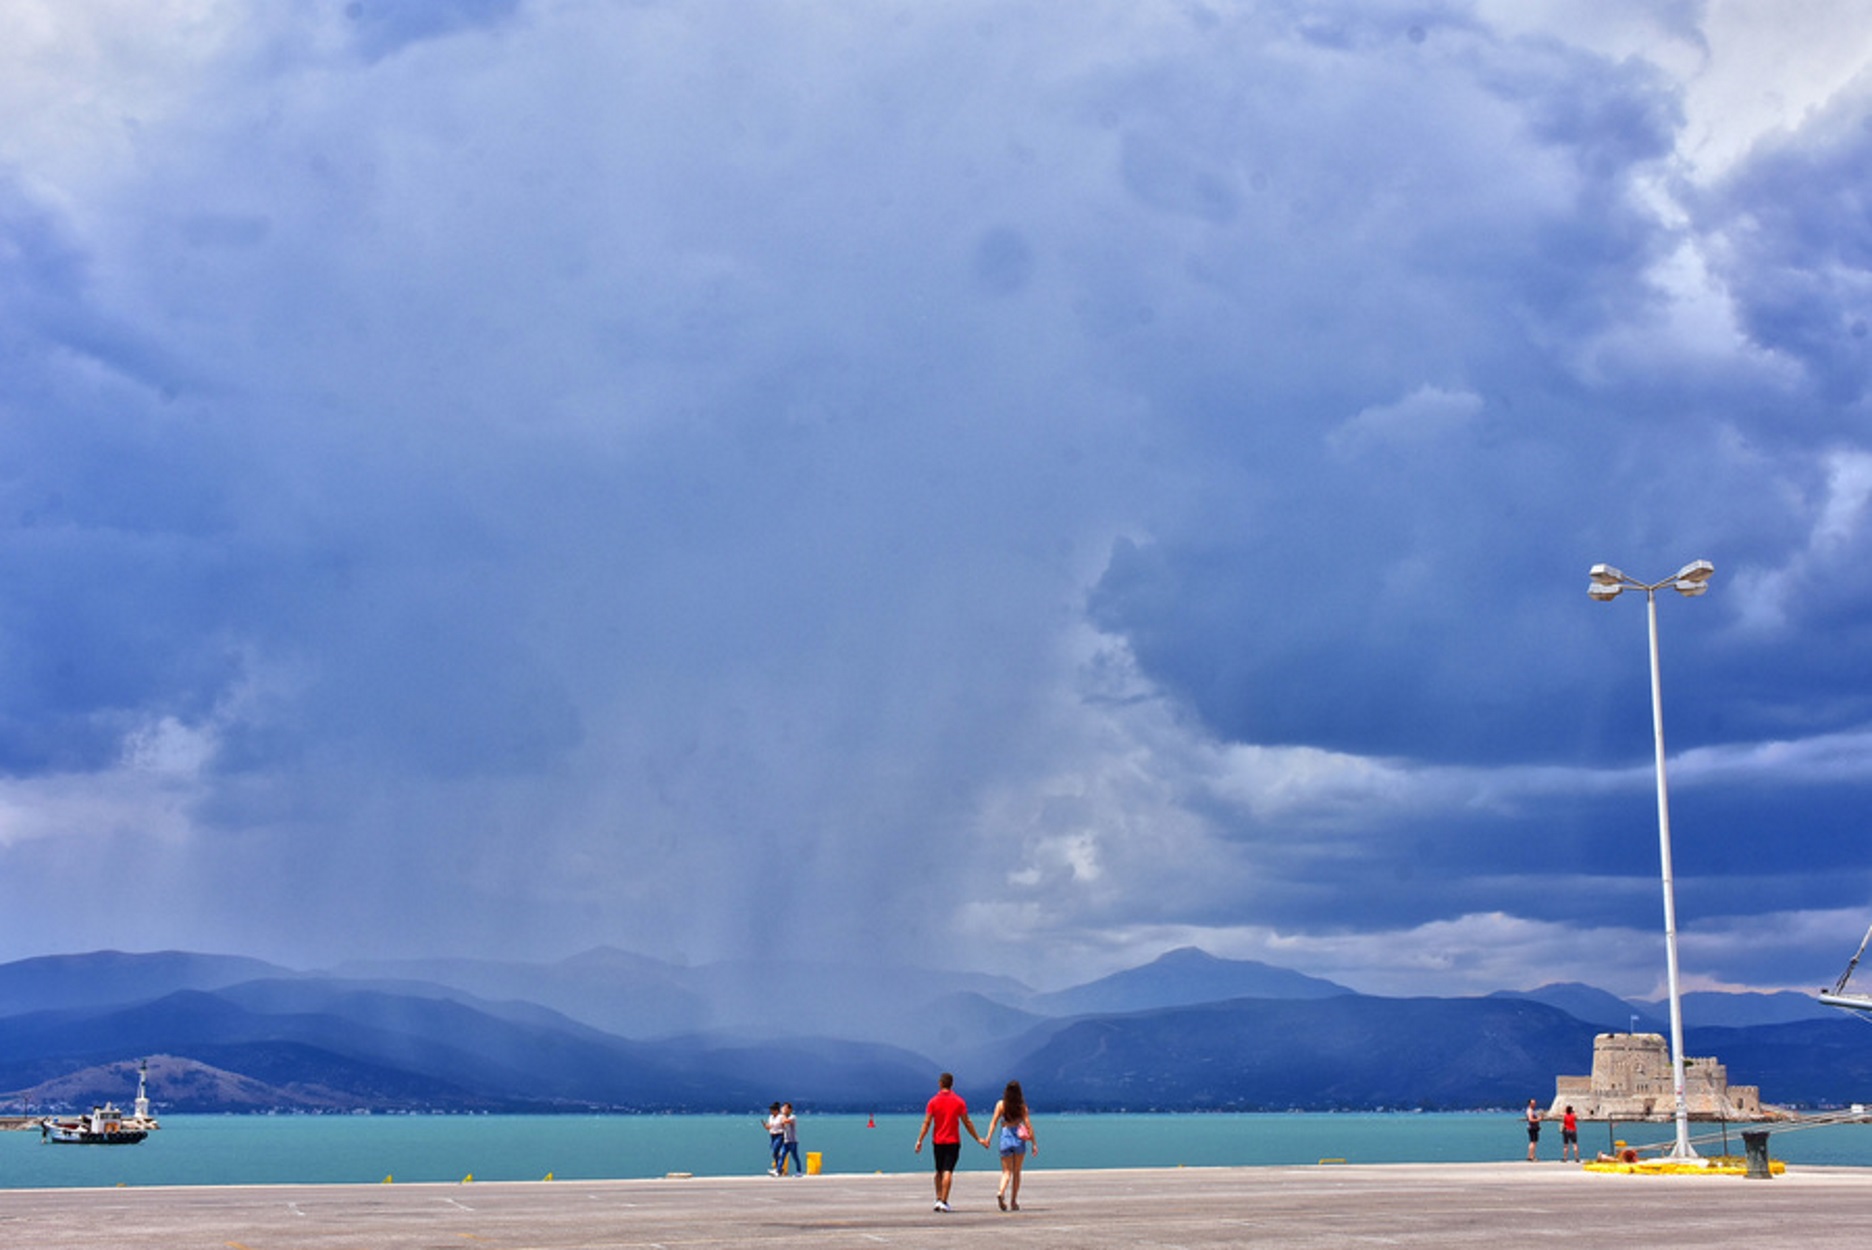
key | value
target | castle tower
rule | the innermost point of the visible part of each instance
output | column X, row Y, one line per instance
column 1632, row 1080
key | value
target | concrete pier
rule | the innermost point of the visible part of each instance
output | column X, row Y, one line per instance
column 1427, row 1205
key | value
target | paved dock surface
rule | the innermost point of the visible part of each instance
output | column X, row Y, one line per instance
column 1440, row 1205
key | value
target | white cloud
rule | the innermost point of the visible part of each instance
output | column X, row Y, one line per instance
column 83, row 87
column 147, row 801
column 1747, row 69
column 1770, row 69
column 169, row 748
column 1836, row 524
column 1428, row 415
column 1824, row 759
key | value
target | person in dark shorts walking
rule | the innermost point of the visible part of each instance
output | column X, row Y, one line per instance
column 1569, row 1135
column 947, row 1114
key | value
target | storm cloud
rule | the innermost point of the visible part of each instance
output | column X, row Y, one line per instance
column 936, row 483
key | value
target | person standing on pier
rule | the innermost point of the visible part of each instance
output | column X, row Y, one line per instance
column 775, row 1139
column 1533, row 1130
column 789, row 1140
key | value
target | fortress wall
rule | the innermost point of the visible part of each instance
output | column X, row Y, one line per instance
column 1632, row 1079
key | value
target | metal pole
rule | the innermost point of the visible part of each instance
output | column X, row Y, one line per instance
column 1682, row 1150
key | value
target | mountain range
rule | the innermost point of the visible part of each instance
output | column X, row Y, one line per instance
column 609, row 1030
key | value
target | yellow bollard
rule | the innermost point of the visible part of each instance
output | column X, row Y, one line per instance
column 813, row 1160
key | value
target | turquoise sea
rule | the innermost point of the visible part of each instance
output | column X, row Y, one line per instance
column 324, row 1150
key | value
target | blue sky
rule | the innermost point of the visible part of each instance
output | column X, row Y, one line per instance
column 937, row 483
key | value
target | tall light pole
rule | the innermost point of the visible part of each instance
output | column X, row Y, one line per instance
column 1690, row 581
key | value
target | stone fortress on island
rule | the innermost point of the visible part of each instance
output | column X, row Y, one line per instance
column 1631, row 1080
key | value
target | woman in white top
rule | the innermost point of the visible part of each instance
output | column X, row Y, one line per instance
column 775, row 1138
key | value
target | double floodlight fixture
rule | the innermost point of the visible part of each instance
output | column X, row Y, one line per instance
column 1690, row 581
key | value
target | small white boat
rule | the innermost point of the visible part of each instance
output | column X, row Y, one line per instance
column 105, row 1125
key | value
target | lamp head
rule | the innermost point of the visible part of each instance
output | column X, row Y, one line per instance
column 1606, row 575
column 1693, row 578
column 1605, row 592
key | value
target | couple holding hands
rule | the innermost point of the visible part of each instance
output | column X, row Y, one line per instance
column 948, row 1115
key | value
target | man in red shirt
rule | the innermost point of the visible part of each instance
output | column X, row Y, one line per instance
column 946, row 1112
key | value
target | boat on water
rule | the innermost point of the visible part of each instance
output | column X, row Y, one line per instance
column 105, row 1125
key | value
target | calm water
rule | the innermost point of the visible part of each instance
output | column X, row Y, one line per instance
column 251, row 1150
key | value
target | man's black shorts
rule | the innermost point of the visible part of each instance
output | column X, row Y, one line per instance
column 947, row 1154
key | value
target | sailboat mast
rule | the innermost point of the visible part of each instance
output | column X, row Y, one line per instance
column 1840, row 987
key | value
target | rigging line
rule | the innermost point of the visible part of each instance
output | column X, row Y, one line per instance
column 1822, row 1120
column 1782, row 1130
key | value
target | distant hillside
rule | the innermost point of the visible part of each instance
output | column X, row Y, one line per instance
column 365, row 1048
column 1585, row 1002
column 620, row 993
column 1354, row 1052
column 1704, row 1009
column 638, row 997
column 309, row 995
column 1344, row 1052
column 105, row 978
column 1805, row 1063
column 1701, row 1008
column 309, row 1080
column 1181, row 978
column 318, row 1042
column 953, row 1027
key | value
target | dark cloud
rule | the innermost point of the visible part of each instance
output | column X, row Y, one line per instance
column 1798, row 263
column 385, row 27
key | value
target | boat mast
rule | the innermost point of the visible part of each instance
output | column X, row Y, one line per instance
column 1840, row 987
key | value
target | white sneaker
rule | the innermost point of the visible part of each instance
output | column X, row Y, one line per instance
column 944, row 1207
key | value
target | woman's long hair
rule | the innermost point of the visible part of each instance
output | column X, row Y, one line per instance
column 1013, row 1106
